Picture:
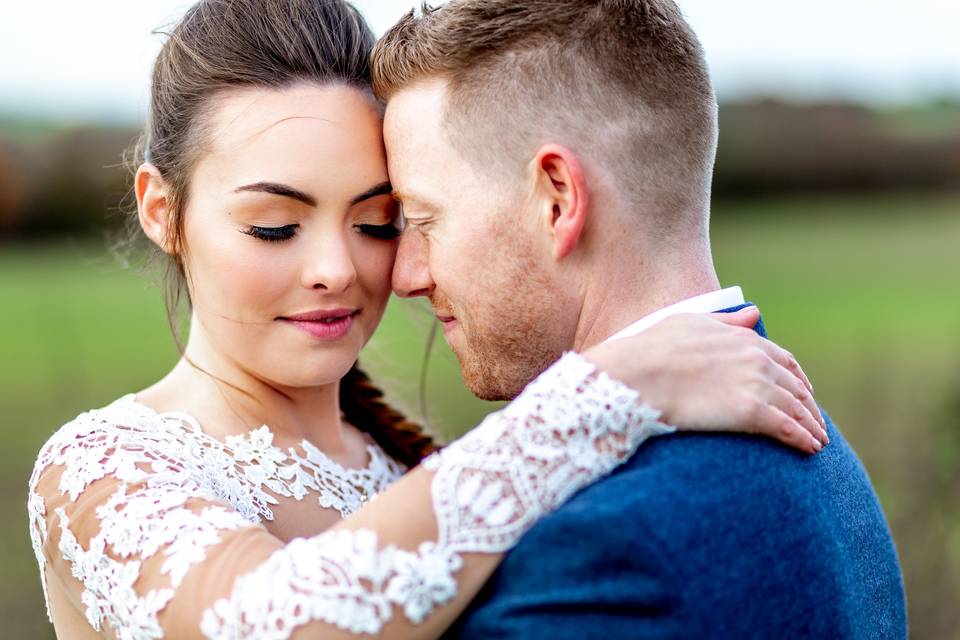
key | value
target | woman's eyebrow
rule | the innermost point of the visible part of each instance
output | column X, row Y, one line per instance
column 278, row 189
column 382, row 189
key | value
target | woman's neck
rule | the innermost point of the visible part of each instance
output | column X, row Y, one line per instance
column 230, row 400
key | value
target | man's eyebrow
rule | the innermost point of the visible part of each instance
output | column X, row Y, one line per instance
column 382, row 189
column 278, row 189
column 411, row 197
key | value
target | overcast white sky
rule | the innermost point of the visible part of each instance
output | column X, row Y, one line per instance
column 92, row 59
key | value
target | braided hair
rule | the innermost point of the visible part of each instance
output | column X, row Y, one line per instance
column 364, row 407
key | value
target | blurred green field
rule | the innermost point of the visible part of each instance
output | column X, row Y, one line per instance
column 864, row 290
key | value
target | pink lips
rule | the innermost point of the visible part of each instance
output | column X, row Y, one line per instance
column 328, row 324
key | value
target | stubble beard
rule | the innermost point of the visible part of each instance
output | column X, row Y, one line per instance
column 506, row 344
column 498, row 367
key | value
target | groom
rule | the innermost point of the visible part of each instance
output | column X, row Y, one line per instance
column 554, row 161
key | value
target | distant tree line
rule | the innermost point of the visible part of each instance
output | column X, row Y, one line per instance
column 70, row 180
column 769, row 147
column 62, row 180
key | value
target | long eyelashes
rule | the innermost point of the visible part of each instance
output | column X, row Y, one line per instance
column 381, row 231
column 272, row 234
column 390, row 231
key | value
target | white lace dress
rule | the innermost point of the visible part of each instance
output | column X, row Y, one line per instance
column 152, row 528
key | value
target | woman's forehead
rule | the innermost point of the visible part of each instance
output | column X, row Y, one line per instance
column 307, row 137
column 241, row 117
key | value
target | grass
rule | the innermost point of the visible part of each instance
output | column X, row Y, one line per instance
column 864, row 290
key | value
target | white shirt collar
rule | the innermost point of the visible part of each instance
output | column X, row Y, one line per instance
column 706, row 303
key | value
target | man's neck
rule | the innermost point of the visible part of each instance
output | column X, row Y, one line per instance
column 618, row 305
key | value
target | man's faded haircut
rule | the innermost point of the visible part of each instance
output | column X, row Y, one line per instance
column 622, row 83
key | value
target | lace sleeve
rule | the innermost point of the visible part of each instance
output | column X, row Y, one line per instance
column 147, row 557
column 118, row 518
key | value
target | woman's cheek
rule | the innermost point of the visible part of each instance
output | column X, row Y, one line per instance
column 249, row 280
column 374, row 269
column 268, row 278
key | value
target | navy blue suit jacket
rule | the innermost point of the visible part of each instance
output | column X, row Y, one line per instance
column 705, row 536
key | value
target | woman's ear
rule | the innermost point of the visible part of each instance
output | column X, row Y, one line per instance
column 563, row 192
column 153, row 206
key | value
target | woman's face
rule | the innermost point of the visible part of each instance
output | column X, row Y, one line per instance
column 290, row 232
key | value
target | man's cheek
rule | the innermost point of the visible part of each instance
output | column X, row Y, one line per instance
column 461, row 281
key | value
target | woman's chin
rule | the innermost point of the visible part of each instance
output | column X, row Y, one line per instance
column 307, row 372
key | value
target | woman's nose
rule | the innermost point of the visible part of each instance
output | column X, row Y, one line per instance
column 329, row 266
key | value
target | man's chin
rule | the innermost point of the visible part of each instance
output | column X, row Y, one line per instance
column 498, row 369
column 485, row 381
column 488, row 393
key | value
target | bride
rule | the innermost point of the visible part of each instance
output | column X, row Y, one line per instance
column 173, row 513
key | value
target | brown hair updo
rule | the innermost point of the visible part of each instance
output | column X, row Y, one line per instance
column 226, row 44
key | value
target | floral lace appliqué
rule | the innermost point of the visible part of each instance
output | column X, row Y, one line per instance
column 169, row 460
column 570, row 427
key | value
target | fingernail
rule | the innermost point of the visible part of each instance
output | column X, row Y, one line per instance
column 826, row 438
column 817, row 445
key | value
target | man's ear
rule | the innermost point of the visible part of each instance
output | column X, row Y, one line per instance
column 153, row 206
column 563, row 193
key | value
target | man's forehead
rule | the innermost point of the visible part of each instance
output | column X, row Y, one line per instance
column 414, row 141
column 418, row 107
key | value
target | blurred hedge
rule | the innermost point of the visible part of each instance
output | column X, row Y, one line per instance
column 57, row 179
column 61, row 180
column 775, row 147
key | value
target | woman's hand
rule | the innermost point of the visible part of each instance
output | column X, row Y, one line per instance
column 714, row 373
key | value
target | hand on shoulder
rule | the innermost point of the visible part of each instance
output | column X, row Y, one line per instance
column 714, row 373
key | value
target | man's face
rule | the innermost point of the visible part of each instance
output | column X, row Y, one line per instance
column 475, row 247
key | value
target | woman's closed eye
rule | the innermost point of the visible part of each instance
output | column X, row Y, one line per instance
column 380, row 218
column 272, row 234
column 389, row 231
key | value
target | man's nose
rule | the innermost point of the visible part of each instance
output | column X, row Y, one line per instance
column 411, row 273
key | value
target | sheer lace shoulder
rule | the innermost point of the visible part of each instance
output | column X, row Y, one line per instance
column 156, row 529
column 158, row 462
